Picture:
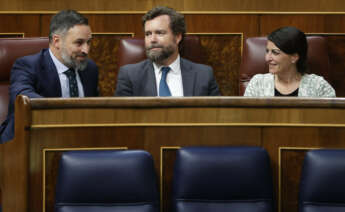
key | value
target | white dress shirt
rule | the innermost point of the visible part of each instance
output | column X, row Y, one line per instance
column 63, row 78
column 174, row 77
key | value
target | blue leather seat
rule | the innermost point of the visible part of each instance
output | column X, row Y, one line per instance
column 322, row 187
column 104, row 181
column 219, row 179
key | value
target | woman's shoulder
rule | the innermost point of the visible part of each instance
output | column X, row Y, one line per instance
column 260, row 85
column 316, row 86
column 260, row 77
column 312, row 78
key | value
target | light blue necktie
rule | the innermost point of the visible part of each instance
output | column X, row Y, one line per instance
column 73, row 85
column 163, row 86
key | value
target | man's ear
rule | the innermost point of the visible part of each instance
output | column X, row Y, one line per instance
column 178, row 38
column 56, row 41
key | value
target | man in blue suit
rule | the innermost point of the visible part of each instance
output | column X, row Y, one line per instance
column 62, row 70
column 165, row 73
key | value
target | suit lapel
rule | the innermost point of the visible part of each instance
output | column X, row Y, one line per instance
column 51, row 78
column 188, row 78
column 84, row 81
column 150, row 85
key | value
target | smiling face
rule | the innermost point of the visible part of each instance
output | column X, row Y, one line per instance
column 278, row 61
column 160, row 42
column 72, row 48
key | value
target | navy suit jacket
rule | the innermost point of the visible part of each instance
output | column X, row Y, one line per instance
column 139, row 80
column 36, row 76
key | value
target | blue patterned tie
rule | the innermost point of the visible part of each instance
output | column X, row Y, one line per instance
column 163, row 86
column 73, row 86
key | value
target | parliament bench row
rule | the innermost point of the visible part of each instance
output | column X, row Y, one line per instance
column 131, row 50
column 205, row 179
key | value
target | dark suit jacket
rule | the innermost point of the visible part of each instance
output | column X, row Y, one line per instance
column 139, row 80
column 36, row 76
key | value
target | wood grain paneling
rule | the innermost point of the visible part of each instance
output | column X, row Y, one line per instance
column 104, row 49
column 85, row 5
column 117, row 23
column 223, row 54
column 27, row 24
column 183, row 5
column 246, row 24
column 291, row 160
column 45, row 22
column 335, row 23
column 306, row 23
column 267, row 5
column 102, row 23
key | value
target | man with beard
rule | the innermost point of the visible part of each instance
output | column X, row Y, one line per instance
column 62, row 70
column 165, row 73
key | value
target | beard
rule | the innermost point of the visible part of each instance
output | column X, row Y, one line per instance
column 72, row 62
column 159, row 56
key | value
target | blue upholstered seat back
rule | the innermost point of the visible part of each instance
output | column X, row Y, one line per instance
column 322, row 187
column 105, row 181
column 218, row 179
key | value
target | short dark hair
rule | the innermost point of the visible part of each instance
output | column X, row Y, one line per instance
column 177, row 23
column 64, row 20
column 292, row 40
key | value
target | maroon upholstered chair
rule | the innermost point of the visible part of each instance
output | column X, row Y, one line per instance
column 253, row 59
column 132, row 50
column 10, row 50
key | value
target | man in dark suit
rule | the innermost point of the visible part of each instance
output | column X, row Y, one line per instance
column 62, row 70
column 164, row 73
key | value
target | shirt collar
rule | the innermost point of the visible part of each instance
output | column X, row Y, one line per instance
column 59, row 66
column 174, row 66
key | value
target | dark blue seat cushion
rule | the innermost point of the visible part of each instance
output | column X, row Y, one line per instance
column 106, row 181
column 322, row 186
column 223, row 178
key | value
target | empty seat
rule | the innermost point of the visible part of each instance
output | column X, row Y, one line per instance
column 322, row 186
column 104, row 181
column 218, row 179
